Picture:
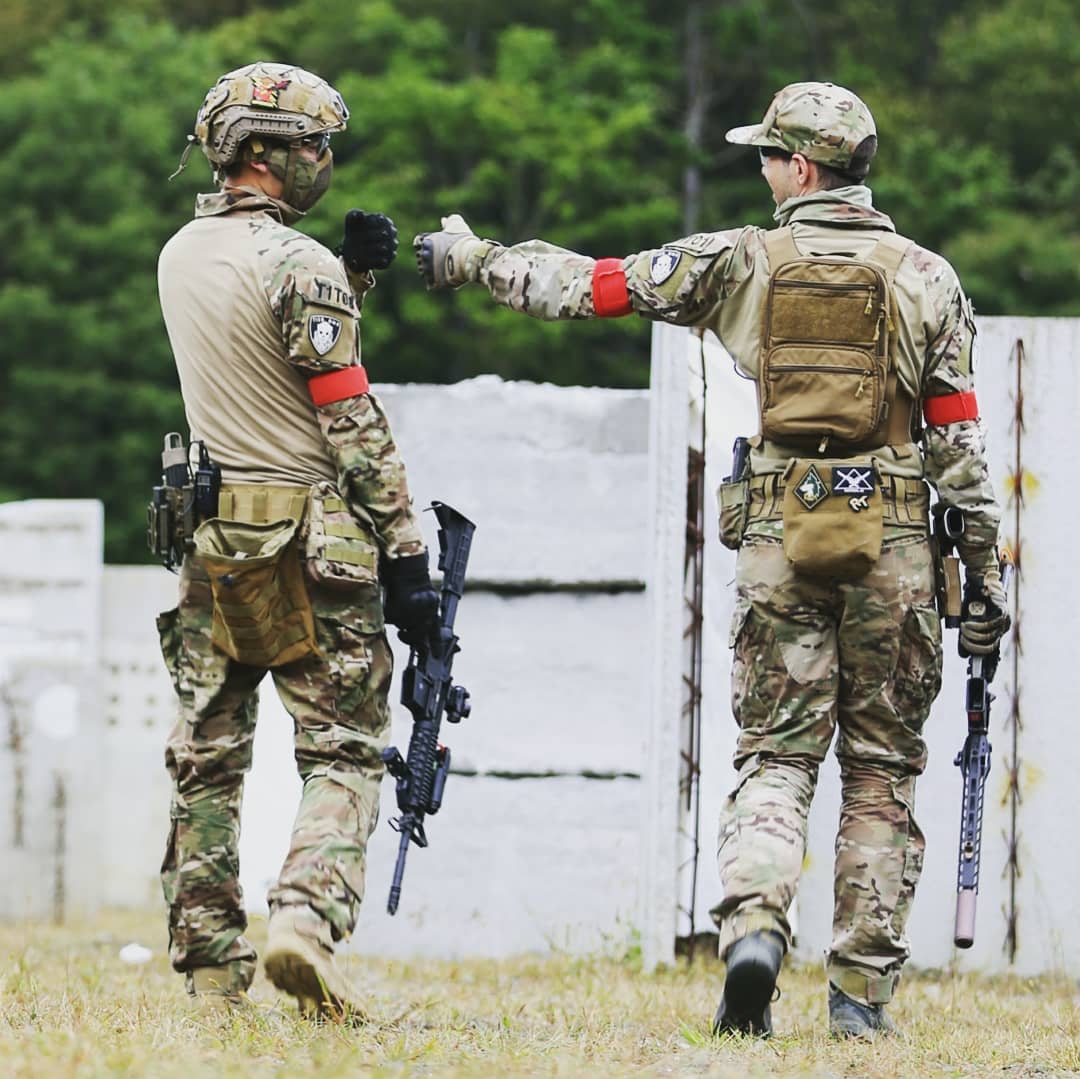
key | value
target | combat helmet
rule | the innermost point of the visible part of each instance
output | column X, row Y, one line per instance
column 266, row 112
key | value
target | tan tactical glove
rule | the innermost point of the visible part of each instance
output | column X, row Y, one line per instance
column 984, row 618
column 452, row 257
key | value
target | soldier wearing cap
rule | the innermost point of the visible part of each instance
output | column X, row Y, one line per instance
column 861, row 343
column 313, row 510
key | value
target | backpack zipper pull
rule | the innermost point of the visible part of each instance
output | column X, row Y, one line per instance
column 868, row 309
column 862, row 383
column 822, row 444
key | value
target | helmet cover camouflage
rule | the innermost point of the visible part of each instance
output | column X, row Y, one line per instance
column 823, row 122
column 278, row 101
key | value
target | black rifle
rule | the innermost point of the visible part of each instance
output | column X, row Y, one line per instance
column 973, row 760
column 428, row 691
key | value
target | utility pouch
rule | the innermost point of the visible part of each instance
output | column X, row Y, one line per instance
column 340, row 552
column 833, row 517
column 733, row 497
column 262, row 613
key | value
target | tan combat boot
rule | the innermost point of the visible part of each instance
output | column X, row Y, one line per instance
column 299, row 960
column 219, row 988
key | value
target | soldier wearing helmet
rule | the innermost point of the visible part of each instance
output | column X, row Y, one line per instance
column 313, row 513
column 861, row 345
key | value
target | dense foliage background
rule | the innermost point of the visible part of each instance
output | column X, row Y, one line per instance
column 597, row 124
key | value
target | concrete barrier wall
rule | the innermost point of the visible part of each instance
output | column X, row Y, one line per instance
column 537, row 841
column 50, row 687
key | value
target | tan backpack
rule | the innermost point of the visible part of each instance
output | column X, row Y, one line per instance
column 827, row 375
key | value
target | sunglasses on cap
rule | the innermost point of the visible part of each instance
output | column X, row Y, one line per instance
column 765, row 152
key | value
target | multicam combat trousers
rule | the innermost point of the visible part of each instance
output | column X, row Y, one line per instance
column 811, row 656
column 338, row 701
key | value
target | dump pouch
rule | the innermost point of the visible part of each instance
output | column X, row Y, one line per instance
column 262, row 614
column 833, row 517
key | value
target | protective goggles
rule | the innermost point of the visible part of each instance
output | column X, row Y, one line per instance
column 319, row 143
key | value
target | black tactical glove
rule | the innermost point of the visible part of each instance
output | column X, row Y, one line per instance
column 370, row 241
column 412, row 604
column 984, row 617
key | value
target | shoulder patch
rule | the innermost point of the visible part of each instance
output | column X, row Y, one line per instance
column 327, row 292
column 323, row 332
column 663, row 264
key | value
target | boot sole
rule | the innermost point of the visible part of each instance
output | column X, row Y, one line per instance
column 748, row 991
column 293, row 965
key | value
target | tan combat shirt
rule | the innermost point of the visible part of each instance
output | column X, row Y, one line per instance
column 719, row 280
column 253, row 309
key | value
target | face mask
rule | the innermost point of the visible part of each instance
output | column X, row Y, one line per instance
column 310, row 181
column 305, row 182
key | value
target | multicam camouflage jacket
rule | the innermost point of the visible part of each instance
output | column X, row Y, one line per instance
column 719, row 280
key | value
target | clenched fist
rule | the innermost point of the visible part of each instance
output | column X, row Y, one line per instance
column 451, row 257
column 370, row 241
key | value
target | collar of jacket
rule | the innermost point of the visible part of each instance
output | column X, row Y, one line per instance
column 249, row 199
column 847, row 207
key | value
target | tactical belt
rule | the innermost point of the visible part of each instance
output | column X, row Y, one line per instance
column 261, row 503
column 904, row 501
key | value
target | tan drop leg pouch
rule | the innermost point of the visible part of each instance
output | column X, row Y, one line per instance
column 262, row 613
column 833, row 517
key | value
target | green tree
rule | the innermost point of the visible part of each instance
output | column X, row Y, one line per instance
column 88, row 385
column 597, row 124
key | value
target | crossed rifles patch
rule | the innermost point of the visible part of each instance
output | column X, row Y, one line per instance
column 855, row 482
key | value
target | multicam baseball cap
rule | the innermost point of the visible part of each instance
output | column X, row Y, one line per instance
column 823, row 122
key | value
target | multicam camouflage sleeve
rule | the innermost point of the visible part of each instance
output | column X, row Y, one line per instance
column 956, row 452
column 320, row 320
column 685, row 281
column 680, row 282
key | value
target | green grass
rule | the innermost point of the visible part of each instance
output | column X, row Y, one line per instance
column 69, row 1006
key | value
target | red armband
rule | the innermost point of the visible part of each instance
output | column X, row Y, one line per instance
column 951, row 408
column 337, row 385
column 609, row 296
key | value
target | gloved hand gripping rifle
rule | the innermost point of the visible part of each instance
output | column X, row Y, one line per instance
column 428, row 691
column 973, row 760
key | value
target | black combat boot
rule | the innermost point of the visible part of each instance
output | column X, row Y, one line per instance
column 752, row 966
column 850, row 1019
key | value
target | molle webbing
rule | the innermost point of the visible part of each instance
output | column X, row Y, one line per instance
column 905, row 501
column 338, row 523
column 260, row 503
